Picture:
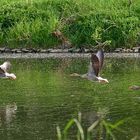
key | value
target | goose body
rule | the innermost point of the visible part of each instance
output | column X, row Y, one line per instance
column 96, row 63
column 4, row 68
column 134, row 87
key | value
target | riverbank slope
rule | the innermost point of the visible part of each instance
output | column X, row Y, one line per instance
column 69, row 23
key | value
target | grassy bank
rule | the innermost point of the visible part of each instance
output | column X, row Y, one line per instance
column 30, row 23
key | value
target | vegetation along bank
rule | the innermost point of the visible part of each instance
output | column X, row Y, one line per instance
column 70, row 23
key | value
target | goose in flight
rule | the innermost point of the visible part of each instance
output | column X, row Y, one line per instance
column 95, row 66
column 4, row 68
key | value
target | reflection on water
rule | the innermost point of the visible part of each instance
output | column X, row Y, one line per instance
column 47, row 96
column 10, row 111
column 7, row 113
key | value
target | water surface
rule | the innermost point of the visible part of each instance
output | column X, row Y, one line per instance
column 44, row 96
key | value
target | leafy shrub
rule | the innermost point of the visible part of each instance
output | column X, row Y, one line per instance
column 82, row 22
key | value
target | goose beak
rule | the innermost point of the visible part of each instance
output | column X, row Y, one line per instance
column 13, row 77
column 103, row 81
column 74, row 75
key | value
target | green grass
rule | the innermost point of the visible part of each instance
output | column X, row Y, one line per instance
column 100, row 128
column 30, row 23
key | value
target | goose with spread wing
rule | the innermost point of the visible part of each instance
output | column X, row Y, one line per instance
column 4, row 68
column 95, row 66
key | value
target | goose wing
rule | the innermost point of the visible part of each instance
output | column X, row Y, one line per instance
column 5, row 67
column 1, row 71
column 100, row 56
column 95, row 64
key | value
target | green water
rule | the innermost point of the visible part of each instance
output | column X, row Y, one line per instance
column 44, row 96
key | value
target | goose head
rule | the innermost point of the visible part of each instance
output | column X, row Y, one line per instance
column 102, row 80
column 11, row 76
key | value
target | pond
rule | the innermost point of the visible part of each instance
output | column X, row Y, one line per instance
column 44, row 96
